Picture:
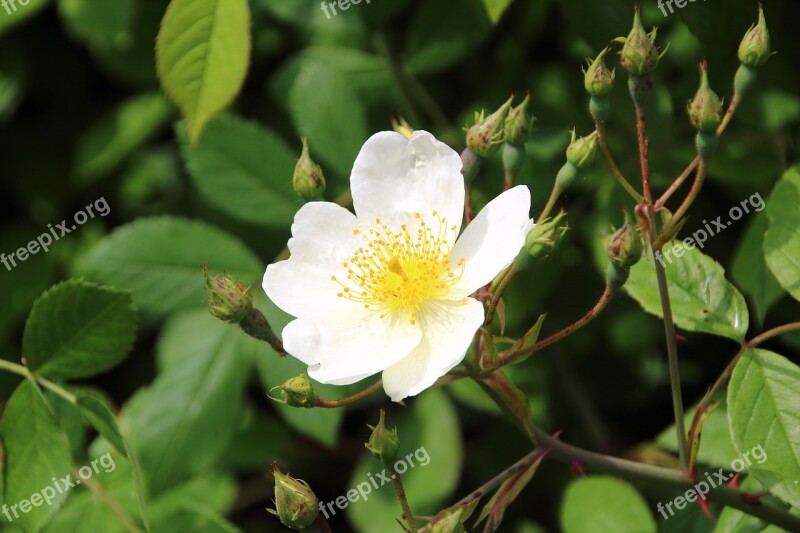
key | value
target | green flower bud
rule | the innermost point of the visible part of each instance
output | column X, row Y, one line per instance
column 486, row 135
column 227, row 300
column 707, row 143
column 625, row 247
column 299, row 392
column 754, row 50
column 566, row 176
column 639, row 54
column 513, row 158
column 598, row 80
column 581, row 151
column 383, row 442
column 518, row 123
column 616, row 276
column 308, row 180
column 296, row 504
column 545, row 236
column 705, row 109
column 600, row 108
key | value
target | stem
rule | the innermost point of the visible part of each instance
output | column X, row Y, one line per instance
column 612, row 164
column 509, row 472
column 605, row 298
column 109, row 500
column 697, row 186
column 639, row 472
column 23, row 371
column 794, row 326
column 551, row 202
column 732, row 107
column 256, row 325
column 401, row 495
column 332, row 404
column 663, row 288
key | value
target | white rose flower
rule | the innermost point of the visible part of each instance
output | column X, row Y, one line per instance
column 387, row 289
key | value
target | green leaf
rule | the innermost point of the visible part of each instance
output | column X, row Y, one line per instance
column 202, row 54
column 496, row 8
column 244, row 170
column 603, row 504
column 326, row 109
column 169, row 422
column 78, row 329
column 749, row 269
column 159, row 259
column 99, row 22
column 106, row 144
column 36, row 451
column 430, row 430
column 764, row 419
column 702, row 299
column 782, row 241
column 19, row 13
column 97, row 413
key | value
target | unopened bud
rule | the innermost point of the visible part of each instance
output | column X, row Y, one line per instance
column 308, row 180
column 754, row 50
column 518, row 123
column 486, row 135
column 227, row 300
column 383, row 442
column 545, row 236
column 581, row 151
column 705, row 109
column 639, row 54
column 625, row 247
column 401, row 126
column 296, row 504
column 597, row 79
column 299, row 392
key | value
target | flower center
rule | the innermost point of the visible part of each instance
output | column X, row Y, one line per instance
column 398, row 270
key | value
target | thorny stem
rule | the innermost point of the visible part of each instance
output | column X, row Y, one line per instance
column 401, row 495
column 602, row 140
column 694, row 192
column 332, row 404
column 23, row 371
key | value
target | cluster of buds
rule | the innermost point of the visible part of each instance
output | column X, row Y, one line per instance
column 508, row 124
column 308, row 180
column 296, row 505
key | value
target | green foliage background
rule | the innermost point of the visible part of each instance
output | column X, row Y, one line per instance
column 82, row 116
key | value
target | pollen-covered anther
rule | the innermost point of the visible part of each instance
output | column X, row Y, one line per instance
column 400, row 270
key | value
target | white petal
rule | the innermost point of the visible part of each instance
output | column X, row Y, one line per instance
column 394, row 178
column 322, row 240
column 341, row 350
column 492, row 240
column 447, row 331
